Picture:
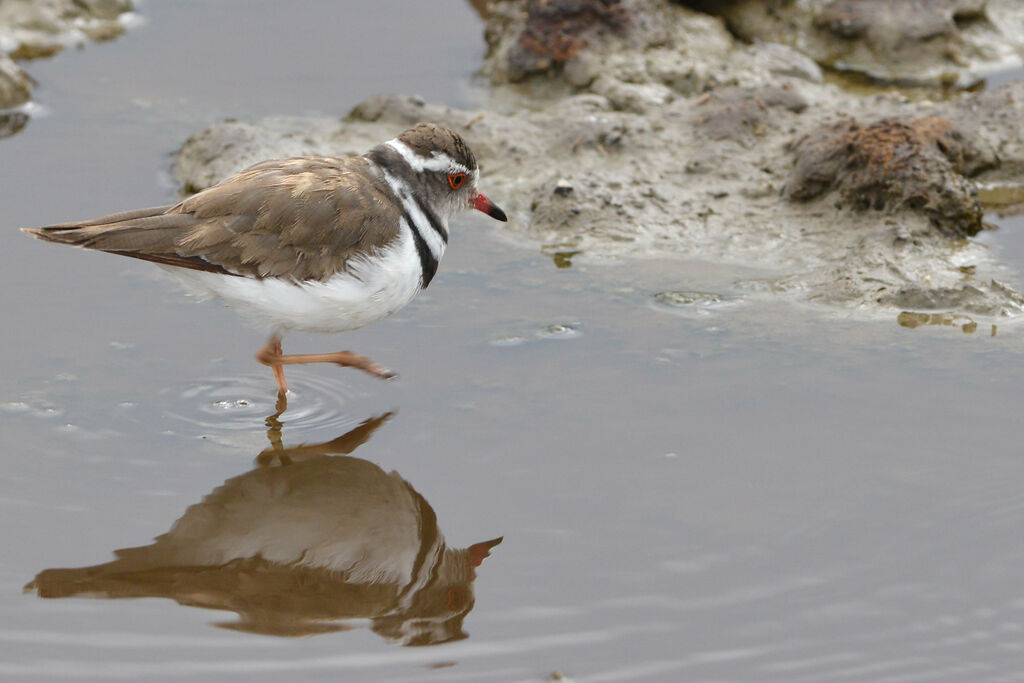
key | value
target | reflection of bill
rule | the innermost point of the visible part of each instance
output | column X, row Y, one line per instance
column 299, row 545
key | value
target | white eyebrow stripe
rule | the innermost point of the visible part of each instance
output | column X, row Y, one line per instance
column 438, row 162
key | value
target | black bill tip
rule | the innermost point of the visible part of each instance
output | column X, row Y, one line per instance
column 482, row 203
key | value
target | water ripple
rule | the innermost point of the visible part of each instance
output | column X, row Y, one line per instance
column 242, row 403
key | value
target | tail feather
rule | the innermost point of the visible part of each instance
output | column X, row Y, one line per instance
column 157, row 234
column 151, row 230
column 120, row 217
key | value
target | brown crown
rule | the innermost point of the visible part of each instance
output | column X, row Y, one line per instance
column 424, row 138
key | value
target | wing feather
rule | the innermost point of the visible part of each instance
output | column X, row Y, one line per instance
column 301, row 218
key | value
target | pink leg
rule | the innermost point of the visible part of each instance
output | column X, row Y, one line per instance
column 272, row 355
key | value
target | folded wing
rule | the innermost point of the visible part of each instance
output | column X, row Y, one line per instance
column 301, row 218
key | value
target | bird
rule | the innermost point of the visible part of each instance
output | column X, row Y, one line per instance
column 311, row 243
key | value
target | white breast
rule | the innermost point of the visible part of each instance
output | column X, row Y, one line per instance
column 372, row 288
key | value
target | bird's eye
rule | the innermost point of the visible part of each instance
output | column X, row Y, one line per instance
column 456, row 180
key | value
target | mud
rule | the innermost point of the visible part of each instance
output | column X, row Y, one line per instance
column 647, row 130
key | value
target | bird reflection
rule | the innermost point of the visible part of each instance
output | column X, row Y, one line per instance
column 302, row 544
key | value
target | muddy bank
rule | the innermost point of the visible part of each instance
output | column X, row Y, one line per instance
column 40, row 28
column 644, row 128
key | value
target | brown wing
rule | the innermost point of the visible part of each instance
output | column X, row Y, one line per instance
column 299, row 218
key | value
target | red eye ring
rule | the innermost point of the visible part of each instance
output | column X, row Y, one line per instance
column 456, row 180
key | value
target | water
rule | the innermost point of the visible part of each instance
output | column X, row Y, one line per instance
column 733, row 489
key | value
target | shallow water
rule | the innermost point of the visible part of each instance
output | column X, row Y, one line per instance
column 687, row 488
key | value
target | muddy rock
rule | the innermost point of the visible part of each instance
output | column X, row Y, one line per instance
column 892, row 164
column 553, row 33
column 609, row 47
column 37, row 28
column 15, row 84
column 975, row 298
column 995, row 118
column 947, row 42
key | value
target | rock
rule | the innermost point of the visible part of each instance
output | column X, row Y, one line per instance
column 889, row 165
column 629, row 42
column 15, row 84
column 782, row 60
column 995, row 119
column 971, row 298
column 555, row 32
column 38, row 28
column 937, row 42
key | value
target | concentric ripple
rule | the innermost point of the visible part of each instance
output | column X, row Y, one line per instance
column 242, row 403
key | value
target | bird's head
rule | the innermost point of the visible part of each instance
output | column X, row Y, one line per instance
column 441, row 169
